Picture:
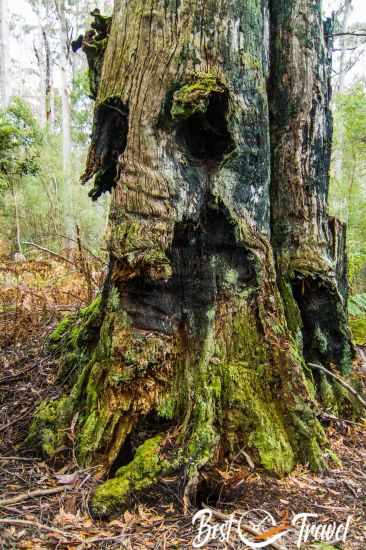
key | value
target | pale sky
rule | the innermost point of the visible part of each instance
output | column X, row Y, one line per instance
column 359, row 10
column 21, row 7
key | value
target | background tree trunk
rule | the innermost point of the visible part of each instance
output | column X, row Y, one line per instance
column 66, row 126
column 47, row 77
column 342, row 70
column 340, row 83
column 3, row 50
column 223, row 279
column 17, row 221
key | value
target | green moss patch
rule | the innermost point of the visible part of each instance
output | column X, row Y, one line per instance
column 48, row 427
column 254, row 420
column 194, row 98
column 142, row 472
column 74, row 338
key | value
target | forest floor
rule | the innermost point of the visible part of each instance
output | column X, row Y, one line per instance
column 44, row 504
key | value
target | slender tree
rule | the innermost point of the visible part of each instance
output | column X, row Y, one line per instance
column 227, row 279
column 64, row 57
column 48, row 76
column 3, row 50
column 343, row 44
column 341, row 77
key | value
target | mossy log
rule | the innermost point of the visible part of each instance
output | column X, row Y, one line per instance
column 212, row 129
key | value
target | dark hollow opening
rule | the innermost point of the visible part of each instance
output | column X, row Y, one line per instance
column 208, row 492
column 124, row 457
column 206, row 136
column 147, row 427
column 110, row 138
column 201, row 255
column 324, row 331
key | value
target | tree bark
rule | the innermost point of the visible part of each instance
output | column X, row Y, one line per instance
column 43, row 56
column 66, row 127
column 48, row 77
column 17, row 221
column 3, row 50
column 340, row 85
column 305, row 241
column 212, row 129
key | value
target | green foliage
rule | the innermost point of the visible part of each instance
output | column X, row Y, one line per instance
column 31, row 160
column 357, row 305
column 358, row 328
column 81, row 106
column 348, row 195
column 357, row 311
column 20, row 141
column 348, row 185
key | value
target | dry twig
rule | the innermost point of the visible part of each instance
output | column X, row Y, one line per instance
column 41, row 526
column 54, row 254
column 340, row 381
column 32, row 494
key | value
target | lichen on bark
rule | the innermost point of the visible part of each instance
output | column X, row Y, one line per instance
column 225, row 279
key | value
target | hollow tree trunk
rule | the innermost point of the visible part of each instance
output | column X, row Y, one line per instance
column 223, row 279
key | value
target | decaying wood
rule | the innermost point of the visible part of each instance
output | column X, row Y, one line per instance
column 32, row 494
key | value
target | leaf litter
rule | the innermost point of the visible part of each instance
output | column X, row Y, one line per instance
column 48, row 506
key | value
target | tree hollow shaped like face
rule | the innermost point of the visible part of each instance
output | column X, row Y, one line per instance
column 205, row 135
column 222, row 256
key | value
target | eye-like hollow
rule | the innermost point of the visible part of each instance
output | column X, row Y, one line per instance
column 200, row 110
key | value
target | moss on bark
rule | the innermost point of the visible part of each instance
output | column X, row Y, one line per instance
column 142, row 472
column 193, row 98
column 215, row 289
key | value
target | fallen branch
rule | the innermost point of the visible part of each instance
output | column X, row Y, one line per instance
column 340, row 380
column 32, row 494
column 21, row 458
column 328, row 416
column 15, row 420
column 74, row 241
column 14, row 377
column 49, row 252
column 93, row 540
column 41, row 526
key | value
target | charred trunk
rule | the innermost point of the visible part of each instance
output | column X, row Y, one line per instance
column 212, row 129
